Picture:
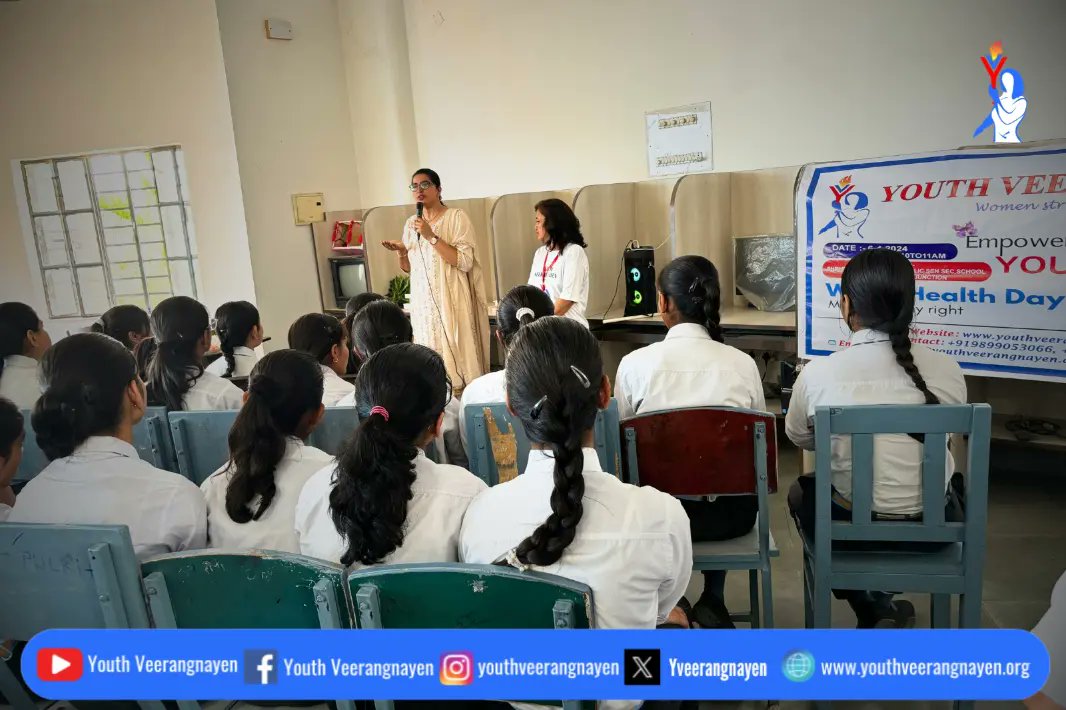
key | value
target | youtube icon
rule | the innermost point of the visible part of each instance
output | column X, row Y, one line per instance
column 59, row 664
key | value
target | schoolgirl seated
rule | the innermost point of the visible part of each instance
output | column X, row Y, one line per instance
column 351, row 308
column 521, row 306
column 84, row 424
column 881, row 366
column 251, row 501
column 175, row 370
column 240, row 332
column 565, row 515
column 128, row 324
column 23, row 341
column 12, row 434
column 379, row 325
column 693, row 367
column 323, row 337
column 384, row 501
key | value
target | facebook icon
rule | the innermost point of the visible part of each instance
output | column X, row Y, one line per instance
column 260, row 667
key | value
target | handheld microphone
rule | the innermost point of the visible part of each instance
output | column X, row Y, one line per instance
column 418, row 209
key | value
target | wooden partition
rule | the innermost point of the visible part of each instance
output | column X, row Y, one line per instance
column 608, row 222
column 654, row 217
column 386, row 224
column 762, row 201
column 702, row 222
column 322, row 241
column 513, row 238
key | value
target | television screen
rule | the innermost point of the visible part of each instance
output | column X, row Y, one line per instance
column 349, row 279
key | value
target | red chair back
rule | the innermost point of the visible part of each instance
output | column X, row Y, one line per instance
column 700, row 451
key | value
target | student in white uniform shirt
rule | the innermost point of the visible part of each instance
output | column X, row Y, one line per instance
column 324, row 338
column 23, row 341
column 693, row 367
column 84, row 424
column 12, row 434
column 521, row 306
column 379, row 325
column 251, row 501
column 240, row 332
column 565, row 515
column 881, row 366
column 560, row 266
column 351, row 309
column 1052, row 631
column 175, row 360
column 128, row 324
column 384, row 501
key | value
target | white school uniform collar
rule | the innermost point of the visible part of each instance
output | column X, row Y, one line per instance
column 107, row 445
column 541, row 461
column 688, row 330
column 866, row 336
column 243, row 350
column 20, row 361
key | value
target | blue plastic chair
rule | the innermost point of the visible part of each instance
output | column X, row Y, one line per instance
column 702, row 451
column 957, row 568
column 151, row 438
column 69, row 577
column 334, row 429
column 482, row 462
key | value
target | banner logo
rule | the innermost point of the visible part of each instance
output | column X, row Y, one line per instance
column 642, row 666
column 1007, row 91
column 260, row 667
column 60, row 665
column 456, row 668
column 798, row 666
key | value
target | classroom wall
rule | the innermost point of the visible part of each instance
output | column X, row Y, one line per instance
column 515, row 97
column 294, row 135
column 77, row 77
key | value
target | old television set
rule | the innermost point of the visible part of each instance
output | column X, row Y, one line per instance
column 349, row 278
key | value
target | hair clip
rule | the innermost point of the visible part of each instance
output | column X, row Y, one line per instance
column 581, row 377
column 380, row 410
column 512, row 559
column 534, row 411
column 525, row 312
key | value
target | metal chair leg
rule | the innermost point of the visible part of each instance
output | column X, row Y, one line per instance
column 940, row 611
column 753, row 594
column 767, row 599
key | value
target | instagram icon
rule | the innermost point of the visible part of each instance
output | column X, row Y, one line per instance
column 456, row 668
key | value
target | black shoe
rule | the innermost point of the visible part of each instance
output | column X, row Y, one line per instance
column 711, row 613
column 899, row 615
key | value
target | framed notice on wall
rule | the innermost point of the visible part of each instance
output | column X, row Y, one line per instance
column 679, row 140
column 986, row 233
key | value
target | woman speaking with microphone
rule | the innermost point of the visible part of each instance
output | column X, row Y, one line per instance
column 449, row 312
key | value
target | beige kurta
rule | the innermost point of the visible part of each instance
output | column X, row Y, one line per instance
column 449, row 312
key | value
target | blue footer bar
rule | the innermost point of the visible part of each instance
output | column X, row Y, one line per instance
column 535, row 665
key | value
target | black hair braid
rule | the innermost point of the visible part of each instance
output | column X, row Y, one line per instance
column 901, row 346
column 712, row 306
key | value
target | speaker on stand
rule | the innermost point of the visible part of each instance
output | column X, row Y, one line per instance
column 639, row 265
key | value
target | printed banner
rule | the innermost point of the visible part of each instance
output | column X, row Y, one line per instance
column 545, row 665
column 986, row 233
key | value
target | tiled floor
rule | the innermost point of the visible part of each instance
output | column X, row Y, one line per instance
column 1026, row 555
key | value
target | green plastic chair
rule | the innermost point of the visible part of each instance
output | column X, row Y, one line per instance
column 463, row 596
column 957, row 568
column 67, row 577
column 702, row 451
column 482, row 462
column 257, row 589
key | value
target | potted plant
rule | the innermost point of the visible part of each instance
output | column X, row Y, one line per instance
column 399, row 289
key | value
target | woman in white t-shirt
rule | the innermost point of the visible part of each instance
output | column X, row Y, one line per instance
column 384, row 501
column 560, row 266
column 175, row 355
column 324, row 338
column 521, row 306
column 240, row 332
column 251, row 501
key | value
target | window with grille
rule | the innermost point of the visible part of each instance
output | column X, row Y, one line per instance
column 112, row 228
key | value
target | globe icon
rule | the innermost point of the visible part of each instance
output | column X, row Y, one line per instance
column 798, row 666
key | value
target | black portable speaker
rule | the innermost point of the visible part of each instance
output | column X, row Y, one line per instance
column 639, row 264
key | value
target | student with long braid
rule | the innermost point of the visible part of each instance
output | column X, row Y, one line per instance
column 692, row 367
column 383, row 500
column 881, row 366
column 564, row 515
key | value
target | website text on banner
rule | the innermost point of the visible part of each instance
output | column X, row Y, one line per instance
column 986, row 233
column 532, row 665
